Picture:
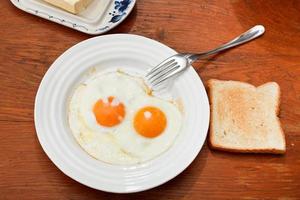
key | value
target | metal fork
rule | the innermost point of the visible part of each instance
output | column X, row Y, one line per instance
column 179, row 62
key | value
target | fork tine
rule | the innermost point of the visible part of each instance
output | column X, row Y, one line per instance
column 165, row 76
column 161, row 71
column 167, row 69
column 163, row 64
column 158, row 83
column 162, row 74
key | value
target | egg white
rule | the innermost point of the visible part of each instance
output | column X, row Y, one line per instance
column 121, row 86
column 120, row 144
column 144, row 148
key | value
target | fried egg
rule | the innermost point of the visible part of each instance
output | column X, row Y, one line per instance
column 115, row 119
column 152, row 128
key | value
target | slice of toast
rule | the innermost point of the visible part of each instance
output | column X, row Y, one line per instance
column 244, row 117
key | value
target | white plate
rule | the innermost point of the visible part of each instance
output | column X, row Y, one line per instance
column 133, row 54
column 98, row 18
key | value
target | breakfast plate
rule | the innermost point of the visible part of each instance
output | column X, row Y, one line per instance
column 132, row 54
column 99, row 17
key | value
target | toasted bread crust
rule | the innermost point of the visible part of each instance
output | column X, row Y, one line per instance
column 213, row 145
column 210, row 97
column 236, row 150
column 277, row 115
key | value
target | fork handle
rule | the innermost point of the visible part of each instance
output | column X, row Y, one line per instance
column 249, row 35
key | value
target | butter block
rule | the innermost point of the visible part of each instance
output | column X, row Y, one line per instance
column 72, row 6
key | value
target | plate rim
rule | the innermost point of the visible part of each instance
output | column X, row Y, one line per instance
column 81, row 27
column 81, row 181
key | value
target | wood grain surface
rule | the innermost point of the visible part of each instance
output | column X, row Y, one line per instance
column 29, row 45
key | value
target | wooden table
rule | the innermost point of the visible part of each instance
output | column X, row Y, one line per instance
column 29, row 45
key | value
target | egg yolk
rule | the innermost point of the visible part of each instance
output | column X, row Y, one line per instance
column 109, row 112
column 150, row 122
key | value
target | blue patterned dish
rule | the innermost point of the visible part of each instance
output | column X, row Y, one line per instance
column 100, row 17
